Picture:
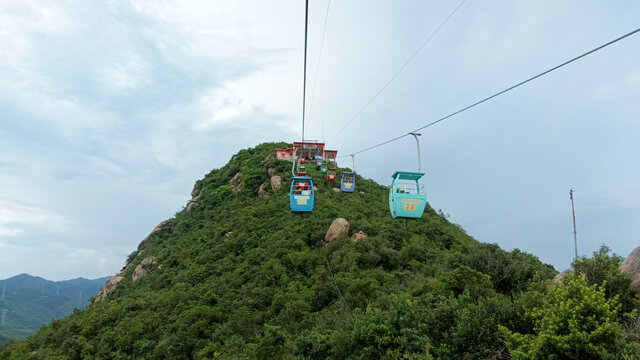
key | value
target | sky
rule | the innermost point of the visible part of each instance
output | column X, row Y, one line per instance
column 111, row 110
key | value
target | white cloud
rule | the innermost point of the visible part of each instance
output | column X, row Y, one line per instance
column 18, row 219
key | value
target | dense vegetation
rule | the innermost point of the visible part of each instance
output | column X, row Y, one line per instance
column 244, row 278
column 30, row 302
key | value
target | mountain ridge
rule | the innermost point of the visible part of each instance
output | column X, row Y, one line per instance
column 28, row 302
column 236, row 275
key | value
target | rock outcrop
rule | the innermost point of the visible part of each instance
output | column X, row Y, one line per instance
column 109, row 286
column 195, row 196
column 145, row 242
column 338, row 227
column 236, row 182
column 276, row 182
column 262, row 193
column 357, row 236
column 271, row 171
column 144, row 268
column 631, row 265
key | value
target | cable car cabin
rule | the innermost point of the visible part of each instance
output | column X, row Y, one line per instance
column 302, row 168
column 324, row 168
column 348, row 182
column 331, row 175
column 301, row 194
column 407, row 195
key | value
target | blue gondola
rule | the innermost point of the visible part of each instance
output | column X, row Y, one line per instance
column 301, row 194
column 348, row 182
column 407, row 194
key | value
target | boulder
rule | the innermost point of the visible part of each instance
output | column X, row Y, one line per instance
column 145, row 242
column 271, row 171
column 362, row 192
column 262, row 193
column 144, row 268
column 336, row 189
column 139, row 272
column 631, row 265
column 315, row 188
column 149, row 262
column 269, row 158
column 227, row 236
column 357, row 236
column 558, row 278
column 276, row 182
column 109, row 286
column 191, row 204
column 236, row 182
column 338, row 227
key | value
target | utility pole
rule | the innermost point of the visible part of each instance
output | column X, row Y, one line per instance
column 575, row 233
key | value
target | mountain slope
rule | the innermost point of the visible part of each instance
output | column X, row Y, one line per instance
column 241, row 277
column 30, row 301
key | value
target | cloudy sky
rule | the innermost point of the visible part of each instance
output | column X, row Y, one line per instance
column 111, row 110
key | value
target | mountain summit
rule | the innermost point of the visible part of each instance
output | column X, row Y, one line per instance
column 236, row 275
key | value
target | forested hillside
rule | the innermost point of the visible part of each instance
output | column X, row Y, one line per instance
column 239, row 276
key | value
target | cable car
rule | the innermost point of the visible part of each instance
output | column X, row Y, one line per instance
column 330, row 158
column 301, row 194
column 302, row 167
column 331, row 175
column 324, row 168
column 348, row 182
column 407, row 195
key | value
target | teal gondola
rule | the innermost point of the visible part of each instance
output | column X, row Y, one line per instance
column 407, row 195
column 301, row 194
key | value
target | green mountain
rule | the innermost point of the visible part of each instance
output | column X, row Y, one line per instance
column 28, row 302
column 235, row 275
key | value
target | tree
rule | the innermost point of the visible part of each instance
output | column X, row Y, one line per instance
column 575, row 321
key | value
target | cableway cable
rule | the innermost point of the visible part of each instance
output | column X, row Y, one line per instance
column 415, row 53
column 304, row 86
column 315, row 82
column 501, row 92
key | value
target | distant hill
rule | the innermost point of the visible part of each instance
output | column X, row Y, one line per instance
column 28, row 302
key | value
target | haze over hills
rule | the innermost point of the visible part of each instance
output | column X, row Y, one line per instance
column 28, row 302
column 236, row 275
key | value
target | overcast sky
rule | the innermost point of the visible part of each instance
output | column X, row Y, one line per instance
column 111, row 110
